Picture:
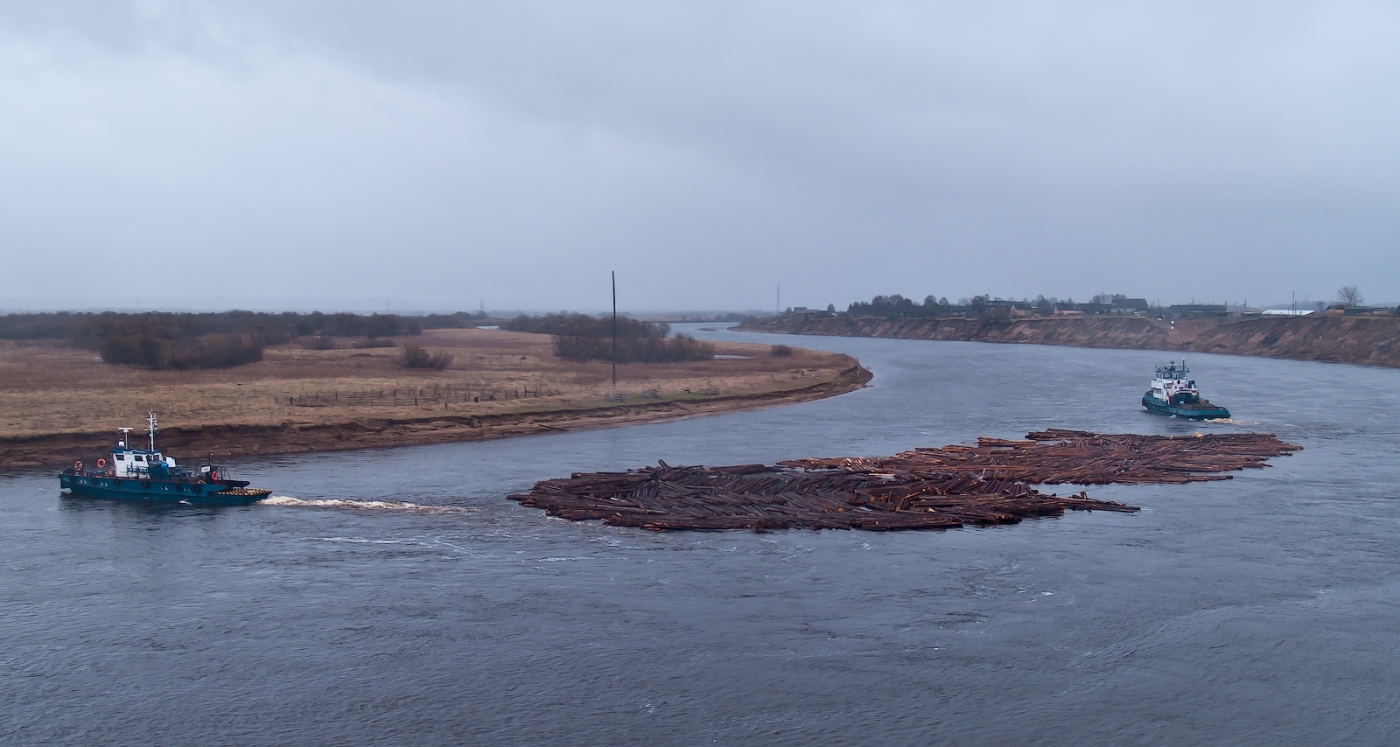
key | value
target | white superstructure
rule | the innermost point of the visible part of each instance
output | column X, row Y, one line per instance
column 1171, row 383
column 130, row 462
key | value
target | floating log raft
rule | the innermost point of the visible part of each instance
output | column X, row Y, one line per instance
column 925, row 488
column 1055, row 457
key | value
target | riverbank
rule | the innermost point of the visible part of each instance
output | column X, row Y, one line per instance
column 59, row 404
column 1338, row 339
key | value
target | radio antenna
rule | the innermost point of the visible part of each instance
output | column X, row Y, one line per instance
column 614, row 330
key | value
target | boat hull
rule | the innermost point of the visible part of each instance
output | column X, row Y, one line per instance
column 130, row 488
column 1159, row 407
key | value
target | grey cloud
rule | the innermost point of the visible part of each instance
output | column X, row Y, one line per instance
column 438, row 153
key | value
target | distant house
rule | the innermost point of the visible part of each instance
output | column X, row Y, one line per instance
column 1125, row 305
column 1198, row 311
column 1001, row 309
column 1286, row 312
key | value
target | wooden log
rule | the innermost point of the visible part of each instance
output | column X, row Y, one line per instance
column 927, row 488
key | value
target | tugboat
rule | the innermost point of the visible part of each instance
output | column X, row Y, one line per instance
column 146, row 474
column 1174, row 394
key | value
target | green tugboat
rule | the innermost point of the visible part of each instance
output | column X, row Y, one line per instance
column 1174, row 394
column 146, row 474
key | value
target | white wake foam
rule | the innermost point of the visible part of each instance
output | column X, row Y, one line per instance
column 1246, row 423
column 286, row 500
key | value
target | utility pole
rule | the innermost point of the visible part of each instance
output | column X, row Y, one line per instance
column 778, row 301
column 614, row 286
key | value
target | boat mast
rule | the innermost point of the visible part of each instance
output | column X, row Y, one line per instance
column 151, row 426
column 126, row 437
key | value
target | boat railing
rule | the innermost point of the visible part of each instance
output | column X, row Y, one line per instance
column 146, row 473
column 1173, row 371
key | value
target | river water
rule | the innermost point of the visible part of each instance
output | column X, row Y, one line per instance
column 1261, row 610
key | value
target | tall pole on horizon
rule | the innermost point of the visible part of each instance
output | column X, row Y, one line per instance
column 614, row 284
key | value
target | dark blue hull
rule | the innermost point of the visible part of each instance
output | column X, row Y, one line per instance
column 130, row 488
column 1195, row 412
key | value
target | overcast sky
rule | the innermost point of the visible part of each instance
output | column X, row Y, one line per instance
column 438, row 155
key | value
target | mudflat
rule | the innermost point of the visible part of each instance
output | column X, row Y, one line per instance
column 58, row 404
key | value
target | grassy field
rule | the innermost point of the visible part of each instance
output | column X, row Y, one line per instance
column 51, row 391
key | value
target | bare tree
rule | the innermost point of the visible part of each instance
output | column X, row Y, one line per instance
column 1349, row 295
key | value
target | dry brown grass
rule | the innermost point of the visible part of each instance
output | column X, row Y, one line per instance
column 55, row 390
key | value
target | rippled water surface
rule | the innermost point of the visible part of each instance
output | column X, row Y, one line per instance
column 396, row 597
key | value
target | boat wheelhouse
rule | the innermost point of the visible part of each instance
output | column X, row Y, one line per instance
column 1173, row 392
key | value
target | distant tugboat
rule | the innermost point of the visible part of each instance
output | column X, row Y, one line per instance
column 1174, row 394
column 145, row 474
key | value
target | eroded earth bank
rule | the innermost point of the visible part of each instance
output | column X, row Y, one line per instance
column 1334, row 338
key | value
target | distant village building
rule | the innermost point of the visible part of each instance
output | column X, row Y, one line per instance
column 1010, row 305
column 1365, row 310
column 1198, row 311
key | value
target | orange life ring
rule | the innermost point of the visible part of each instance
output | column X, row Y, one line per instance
column 101, row 463
column 78, row 466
